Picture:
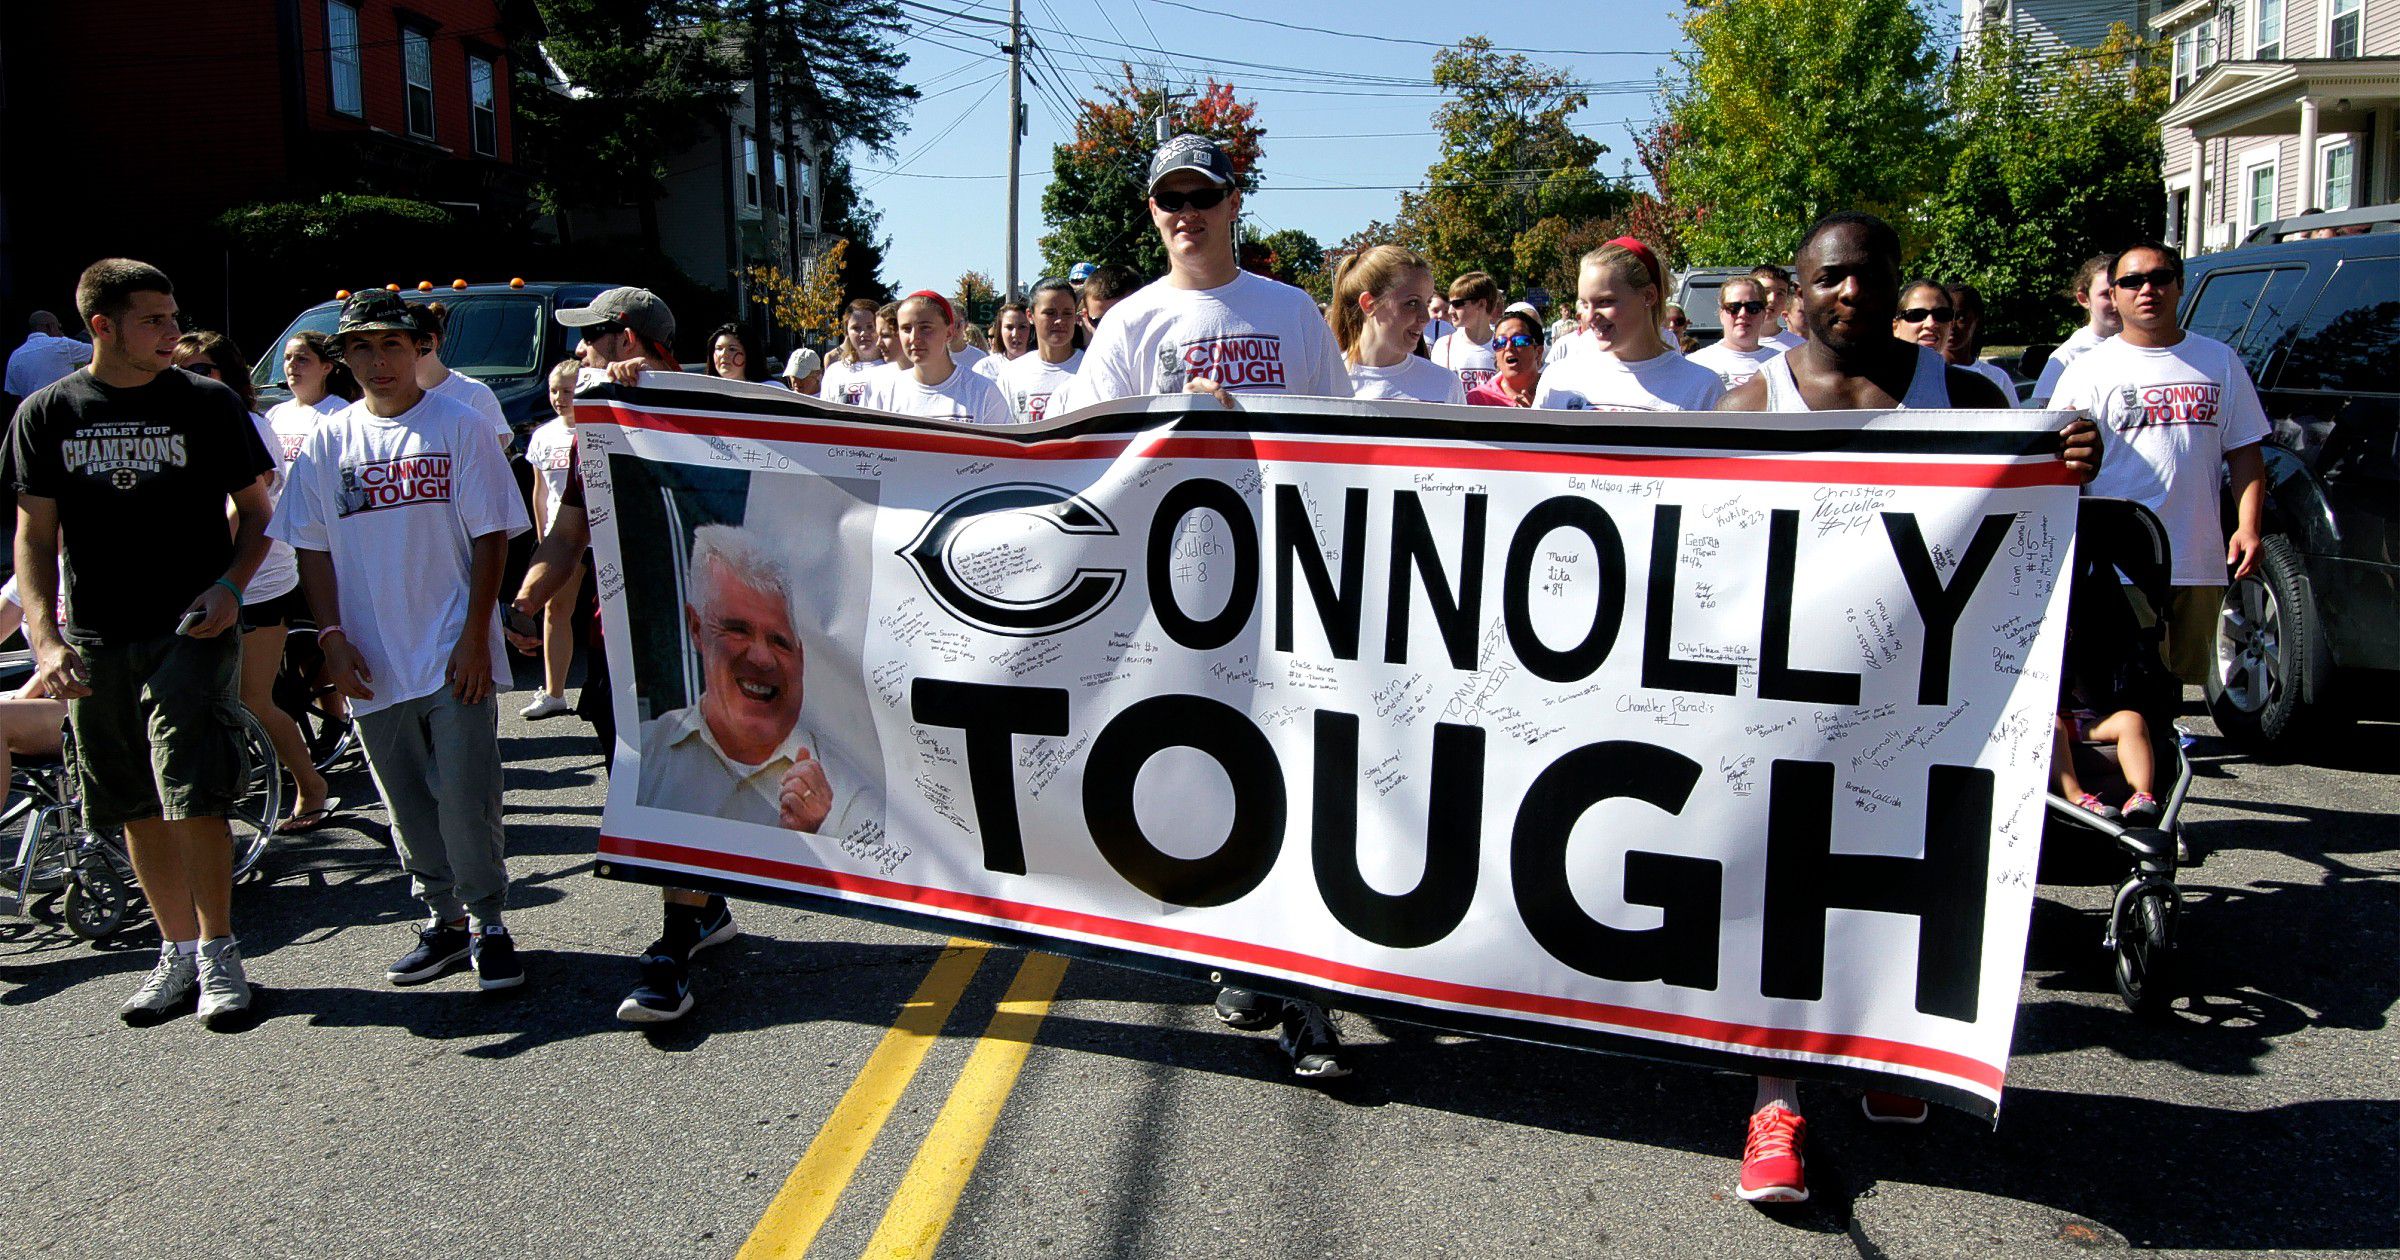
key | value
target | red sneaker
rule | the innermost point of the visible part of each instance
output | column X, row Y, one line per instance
column 1883, row 1108
column 1772, row 1171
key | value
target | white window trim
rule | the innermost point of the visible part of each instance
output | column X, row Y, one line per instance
column 2325, row 26
column 2325, row 145
column 491, row 71
column 334, row 61
column 2182, row 230
column 751, row 176
column 2265, row 157
column 433, row 104
column 2283, row 36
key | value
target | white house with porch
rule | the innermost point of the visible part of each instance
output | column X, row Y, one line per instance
column 2280, row 106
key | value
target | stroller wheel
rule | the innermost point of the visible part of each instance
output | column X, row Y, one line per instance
column 2145, row 951
column 97, row 901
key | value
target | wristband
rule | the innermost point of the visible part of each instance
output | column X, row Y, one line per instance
column 237, row 591
column 322, row 631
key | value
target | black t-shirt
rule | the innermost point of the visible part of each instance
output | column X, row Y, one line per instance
column 140, row 477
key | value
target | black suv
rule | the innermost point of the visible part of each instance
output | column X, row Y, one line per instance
column 500, row 334
column 2314, row 633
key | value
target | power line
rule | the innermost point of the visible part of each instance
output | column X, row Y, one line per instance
column 1395, row 39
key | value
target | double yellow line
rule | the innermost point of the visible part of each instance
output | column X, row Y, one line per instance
column 919, row 1211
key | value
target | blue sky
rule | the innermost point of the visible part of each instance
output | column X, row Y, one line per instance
column 1338, row 149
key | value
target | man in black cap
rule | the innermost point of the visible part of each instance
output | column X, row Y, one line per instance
column 625, row 331
column 400, row 509
column 1209, row 326
column 132, row 460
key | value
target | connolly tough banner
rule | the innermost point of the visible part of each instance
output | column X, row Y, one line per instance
column 1711, row 737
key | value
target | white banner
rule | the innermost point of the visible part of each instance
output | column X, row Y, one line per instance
column 1712, row 737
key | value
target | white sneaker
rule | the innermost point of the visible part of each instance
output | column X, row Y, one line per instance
column 545, row 705
column 224, row 990
column 168, row 986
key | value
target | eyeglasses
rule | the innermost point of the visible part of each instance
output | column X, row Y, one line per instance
column 1742, row 308
column 1516, row 341
column 1919, row 314
column 2132, row 281
column 204, row 368
column 1198, row 199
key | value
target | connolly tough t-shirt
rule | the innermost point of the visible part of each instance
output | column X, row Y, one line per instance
column 1029, row 381
column 398, row 504
column 1249, row 335
column 1596, row 380
column 1474, row 361
column 551, row 452
column 140, row 476
column 1412, row 379
column 1734, row 367
column 847, row 382
column 966, row 396
column 2167, row 417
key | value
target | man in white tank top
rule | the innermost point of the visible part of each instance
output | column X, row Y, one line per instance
column 1849, row 288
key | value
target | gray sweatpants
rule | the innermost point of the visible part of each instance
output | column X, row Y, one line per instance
column 437, row 763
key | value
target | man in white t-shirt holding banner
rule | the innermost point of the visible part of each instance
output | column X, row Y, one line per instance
column 1212, row 328
column 401, row 507
column 2172, row 407
column 1209, row 326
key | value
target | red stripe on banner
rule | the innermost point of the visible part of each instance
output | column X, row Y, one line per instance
column 1799, row 1041
column 1982, row 475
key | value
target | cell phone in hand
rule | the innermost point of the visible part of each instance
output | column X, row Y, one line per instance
column 518, row 621
column 191, row 621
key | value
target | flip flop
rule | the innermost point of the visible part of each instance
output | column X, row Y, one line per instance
column 302, row 823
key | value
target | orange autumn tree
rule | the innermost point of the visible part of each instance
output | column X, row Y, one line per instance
column 1095, row 204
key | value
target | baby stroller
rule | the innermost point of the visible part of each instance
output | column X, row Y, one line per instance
column 2114, row 661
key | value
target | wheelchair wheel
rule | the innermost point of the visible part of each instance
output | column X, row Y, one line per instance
column 2145, row 953
column 261, row 806
column 330, row 735
column 39, row 856
column 99, row 899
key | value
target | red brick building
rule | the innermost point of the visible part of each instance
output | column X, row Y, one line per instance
column 127, row 125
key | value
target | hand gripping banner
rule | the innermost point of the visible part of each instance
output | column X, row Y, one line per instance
column 1710, row 737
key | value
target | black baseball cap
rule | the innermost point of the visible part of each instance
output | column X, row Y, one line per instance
column 1191, row 153
column 377, row 310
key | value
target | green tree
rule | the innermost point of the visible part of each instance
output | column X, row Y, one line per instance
column 1510, row 160
column 1095, row 204
column 1286, row 254
column 1793, row 109
column 2053, row 158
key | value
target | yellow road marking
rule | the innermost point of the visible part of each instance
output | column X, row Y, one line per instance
column 921, row 1209
column 808, row 1196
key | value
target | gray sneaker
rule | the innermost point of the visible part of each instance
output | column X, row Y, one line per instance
column 224, row 991
column 168, row 986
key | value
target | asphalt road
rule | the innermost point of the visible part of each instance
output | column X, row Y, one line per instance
column 356, row 1119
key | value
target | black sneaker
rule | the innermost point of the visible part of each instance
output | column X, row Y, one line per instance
column 495, row 956
column 1308, row 1037
column 711, row 924
column 665, row 993
column 1247, row 1010
column 440, row 948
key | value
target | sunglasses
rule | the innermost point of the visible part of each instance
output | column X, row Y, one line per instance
column 605, row 328
column 1742, row 308
column 1516, row 341
column 2132, row 281
column 1197, row 199
column 204, row 369
column 1919, row 314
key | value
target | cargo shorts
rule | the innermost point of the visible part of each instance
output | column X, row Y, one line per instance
column 160, row 736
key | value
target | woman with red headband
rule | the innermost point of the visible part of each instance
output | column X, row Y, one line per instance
column 1622, row 296
column 933, row 385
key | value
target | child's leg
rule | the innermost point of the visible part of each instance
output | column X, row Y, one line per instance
column 558, row 633
column 2131, row 735
column 2062, row 758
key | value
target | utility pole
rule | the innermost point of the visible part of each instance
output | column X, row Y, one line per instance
column 1016, row 133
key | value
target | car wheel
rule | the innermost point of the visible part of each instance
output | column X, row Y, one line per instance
column 2264, row 637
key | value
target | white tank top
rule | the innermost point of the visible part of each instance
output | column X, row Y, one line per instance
column 1928, row 388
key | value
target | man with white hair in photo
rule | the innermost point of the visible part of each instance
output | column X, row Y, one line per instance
column 739, row 751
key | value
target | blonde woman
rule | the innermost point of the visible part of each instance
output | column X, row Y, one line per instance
column 1381, row 300
column 1620, row 294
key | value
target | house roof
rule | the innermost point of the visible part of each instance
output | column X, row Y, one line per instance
column 2236, row 98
